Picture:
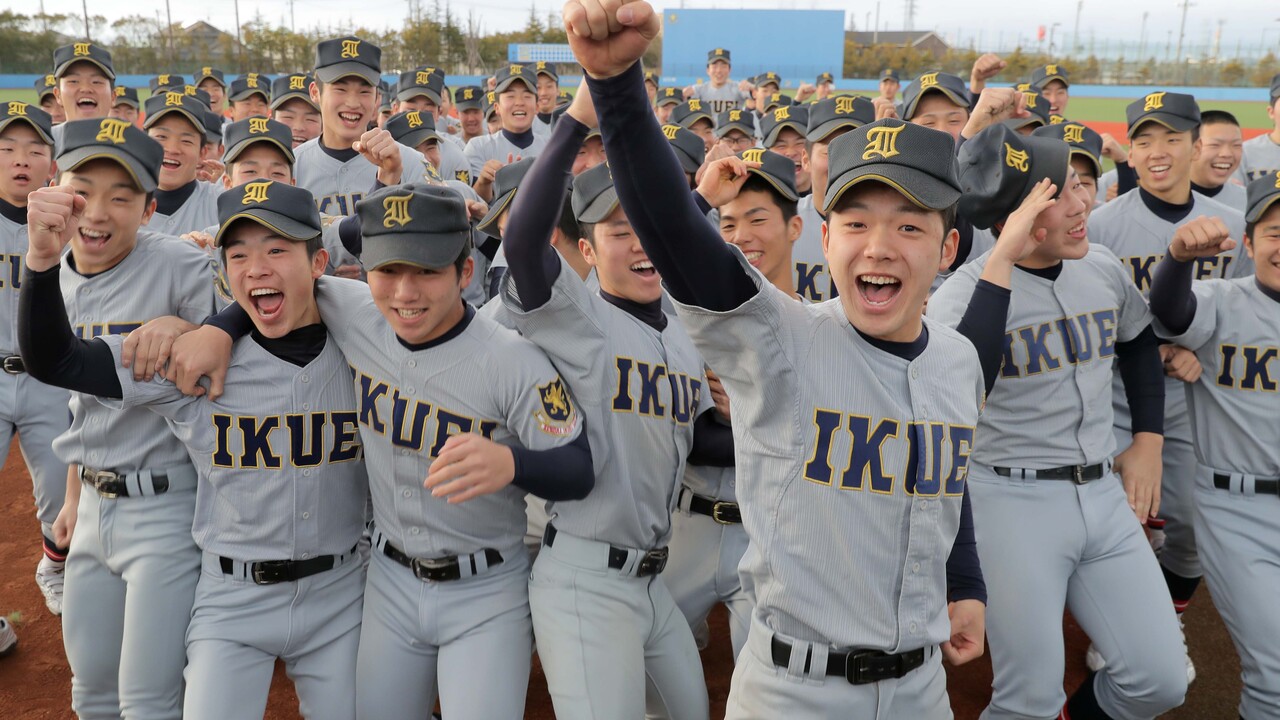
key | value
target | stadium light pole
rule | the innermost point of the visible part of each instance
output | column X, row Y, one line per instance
column 1052, row 28
column 1075, row 34
column 85, row 4
column 1182, row 30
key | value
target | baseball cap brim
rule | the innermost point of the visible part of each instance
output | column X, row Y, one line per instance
column 929, row 192
column 688, row 163
column 745, row 128
column 413, row 92
column 127, row 101
column 71, row 160
column 783, row 190
column 823, row 131
column 249, row 92
column 688, row 121
column 1097, row 164
column 295, row 95
column 1173, row 122
column 338, row 71
column 416, row 137
column 600, row 207
column 1257, row 211
column 201, row 78
column 425, row 250
column 1019, row 123
column 772, row 137
column 468, row 105
column 533, row 88
column 61, row 69
column 1040, row 84
column 285, row 227
column 6, row 122
column 489, row 223
column 154, row 118
column 909, row 110
column 669, row 101
column 233, row 152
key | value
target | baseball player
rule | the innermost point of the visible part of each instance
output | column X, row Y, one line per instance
column 548, row 92
column 447, row 590
column 449, row 116
column 890, row 84
column 1086, row 154
column 492, row 117
column 878, row 636
column 820, row 90
column 1262, row 153
column 734, row 130
column 782, row 130
column 603, row 617
column 515, row 97
column 692, row 115
column 764, row 86
column 720, row 93
column 343, row 162
column 1053, row 82
column 214, row 82
column 386, row 106
column 1037, row 114
column 292, row 105
column 282, row 575
column 1072, row 320
column 938, row 101
column 183, row 203
column 132, row 568
column 469, row 99
column 652, row 83
column 668, row 98
column 37, row 412
column 1136, row 227
column 1213, row 168
column 47, row 98
column 422, row 90
column 85, row 83
column 249, row 96
column 165, row 81
column 1234, row 328
column 126, row 105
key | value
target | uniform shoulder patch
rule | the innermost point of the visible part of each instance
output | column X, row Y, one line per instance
column 555, row 413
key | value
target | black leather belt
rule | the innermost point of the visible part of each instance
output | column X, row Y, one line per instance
column 441, row 569
column 859, row 667
column 270, row 572
column 111, row 485
column 1260, row 486
column 1078, row 474
column 723, row 512
column 653, row 562
column 13, row 365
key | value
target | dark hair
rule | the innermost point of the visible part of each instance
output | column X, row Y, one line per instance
column 460, row 261
column 1250, row 227
column 755, row 183
column 1093, row 169
column 1218, row 117
column 567, row 224
column 587, row 231
column 948, row 214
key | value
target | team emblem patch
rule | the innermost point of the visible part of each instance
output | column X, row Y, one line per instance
column 255, row 192
column 251, row 80
column 1278, row 180
column 119, row 91
column 17, row 108
column 111, row 130
column 257, row 125
column 173, row 99
column 754, row 155
column 350, row 49
column 782, row 113
column 556, row 415
column 1016, row 159
column 1073, row 133
column 882, row 141
column 80, row 49
column 844, row 105
column 162, row 80
column 396, row 211
column 1154, row 101
column 414, row 119
column 463, row 175
column 1056, row 119
column 295, row 82
column 928, row 80
column 695, row 106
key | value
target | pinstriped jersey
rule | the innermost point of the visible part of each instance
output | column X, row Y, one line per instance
column 162, row 276
column 1051, row 405
column 198, row 212
column 639, row 390
column 1261, row 158
column 853, row 463
column 484, row 148
column 983, row 240
column 1236, row 336
column 720, row 99
column 13, row 249
column 453, row 163
column 338, row 186
column 1140, row 239
column 813, row 280
column 278, row 455
column 486, row 380
column 1234, row 196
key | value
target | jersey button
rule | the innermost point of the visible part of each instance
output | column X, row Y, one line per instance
column 306, row 516
column 306, row 406
column 411, row 390
column 413, row 531
column 915, row 372
column 306, row 378
column 913, row 627
column 413, row 363
column 408, row 493
column 306, row 556
column 915, row 567
column 306, row 473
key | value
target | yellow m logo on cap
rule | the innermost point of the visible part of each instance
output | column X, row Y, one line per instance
column 844, row 105
column 542, row 65
column 414, row 119
column 735, row 115
column 468, row 94
column 1029, row 99
column 695, row 105
column 1073, row 133
column 515, row 70
column 162, row 80
column 257, row 125
column 172, row 99
column 251, row 80
column 119, row 91
column 671, row 131
column 1050, row 69
column 719, row 52
column 1016, row 159
column 782, row 113
column 17, row 108
column 396, row 210
column 206, row 71
column 111, row 130
column 350, row 48
column 755, row 155
column 422, row 77
column 295, row 82
column 882, row 142
column 255, row 193
column 80, row 49
column 50, row 81
column 189, row 90
column 1154, row 101
column 928, row 80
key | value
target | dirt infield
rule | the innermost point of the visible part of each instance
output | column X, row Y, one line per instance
column 35, row 681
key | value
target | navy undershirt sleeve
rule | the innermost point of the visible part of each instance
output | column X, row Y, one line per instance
column 964, row 571
column 560, row 473
column 984, row 324
column 696, row 265
column 1172, row 301
column 1126, row 178
column 1142, row 373
column 51, row 351
column 232, row 320
column 712, row 442
column 531, row 261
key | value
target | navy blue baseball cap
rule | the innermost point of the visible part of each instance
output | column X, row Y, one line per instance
column 1045, row 74
column 242, row 134
column 32, row 115
column 718, row 55
column 1037, row 112
column 513, row 73
column 295, row 86
column 734, row 120
column 165, row 80
column 468, row 97
column 68, row 55
column 689, row 112
column 950, row 86
column 249, row 84
column 126, row 96
column 669, row 96
column 689, row 148
column 175, row 103
column 1261, row 194
column 999, row 168
column 412, row 128
column 778, row 119
column 426, row 81
column 505, row 183
column 1082, row 141
column 111, row 139
column 210, row 73
column 912, row 159
column 1177, row 111
column 348, row 56
column 45, row 85
column 777, row 170
column 594, row 196
column 416, row 224
column 284, row 209
column 836, row 113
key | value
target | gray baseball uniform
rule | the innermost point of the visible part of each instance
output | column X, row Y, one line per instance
column 1105, row 182
column 1235, row 333
column 983, row 240
column 1090, row 553
column 197, row 212
column 1139, row 237
column 280, row 478
column 1233, row 195
column 719, row 99
column 37, row 412
column 813, row 281
column 601, row 630
column 423, row 638
column 498, row 146
column 1261, row 158
column 454, row 165
column 338, row 185
column 133, row 566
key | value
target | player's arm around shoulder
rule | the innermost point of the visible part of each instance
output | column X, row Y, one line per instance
column 153, row 391
column 347, row 309
column 947, row 304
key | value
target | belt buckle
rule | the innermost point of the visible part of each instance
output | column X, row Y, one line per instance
column 97, row 478
column 719, row 507
column 13, row 365
column 878, row 666
column 1077, row 475
column 653, row 562
column 269, row 572
column 436, row 569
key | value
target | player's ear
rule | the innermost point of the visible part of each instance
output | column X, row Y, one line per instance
column 319, row 262
column 226, row 179
column 950, row 246
column 794, row 226
column 465, row 274
column 826, row 241
column 53, row 171
column 588, row 252
column 314, row 92
column 1248, row 246
column 151, row 209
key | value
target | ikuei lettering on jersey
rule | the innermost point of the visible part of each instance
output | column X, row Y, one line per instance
column 807, row 282
column 11, row 280
column 1053, row 345
column 250, row 442
column 410, row 422
column 338, row 204
column 1246, row 367
column 931, row 458
column 90, row 331
column 662, row 394
column 1206, row 267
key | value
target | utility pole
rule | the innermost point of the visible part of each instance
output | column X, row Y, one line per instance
column 875, row 32
column 1182, row 30
column 1142, row 39
column 1075, row 34
column 239, row 44
column 168, row 16
column 85, row 4
column 292, row 27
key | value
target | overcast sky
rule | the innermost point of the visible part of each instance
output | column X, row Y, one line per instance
column 1252, row 24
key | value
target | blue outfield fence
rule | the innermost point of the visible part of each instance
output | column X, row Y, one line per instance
column 868, row 86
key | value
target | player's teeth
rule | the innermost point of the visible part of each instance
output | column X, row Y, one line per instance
column 879, row 280
column 645, row 265
column 408, row 314
column 263, row 291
